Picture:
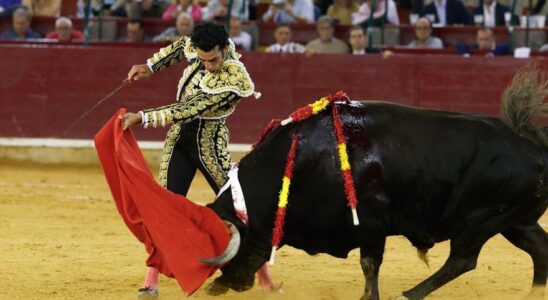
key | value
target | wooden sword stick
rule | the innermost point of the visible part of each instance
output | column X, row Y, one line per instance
column 95, row 106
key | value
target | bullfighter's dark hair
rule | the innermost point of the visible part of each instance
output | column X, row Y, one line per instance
column 207, row 35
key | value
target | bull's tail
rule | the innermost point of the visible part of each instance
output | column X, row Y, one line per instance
column 523, row 108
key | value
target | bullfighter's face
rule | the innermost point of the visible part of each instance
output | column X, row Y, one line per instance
column 212, row 60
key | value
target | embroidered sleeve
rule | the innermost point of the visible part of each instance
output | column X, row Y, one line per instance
column 186, row 111
column 169, row 55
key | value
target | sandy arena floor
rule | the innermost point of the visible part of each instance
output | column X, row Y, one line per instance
column 61, row 238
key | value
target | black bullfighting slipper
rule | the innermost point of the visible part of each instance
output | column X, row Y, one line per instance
column 147, row 293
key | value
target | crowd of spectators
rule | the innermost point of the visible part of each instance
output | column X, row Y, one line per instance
column 326, row 15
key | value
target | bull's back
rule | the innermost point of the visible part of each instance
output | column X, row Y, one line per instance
column 437, row 167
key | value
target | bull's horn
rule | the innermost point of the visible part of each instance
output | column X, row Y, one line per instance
column 231, row 249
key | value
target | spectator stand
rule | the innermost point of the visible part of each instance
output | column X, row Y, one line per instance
column 114, row 27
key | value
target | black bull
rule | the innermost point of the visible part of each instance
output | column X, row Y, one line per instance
column 425, row 174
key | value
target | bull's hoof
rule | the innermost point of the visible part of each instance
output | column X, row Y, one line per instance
column 147, row 293
column 398, row 297
column 215, row 288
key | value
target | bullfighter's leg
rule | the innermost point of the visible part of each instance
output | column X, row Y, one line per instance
column 463, row 257
column 211, row 153
column 533, row 240
column 371, row 254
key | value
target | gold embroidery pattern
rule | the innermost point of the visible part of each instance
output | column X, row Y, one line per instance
column 190, row 51
column 171, row 139
column 169, row 55
column 186, row 73
column 207, row 151
column 233, row 77
column 193, row 88
column 221, row 147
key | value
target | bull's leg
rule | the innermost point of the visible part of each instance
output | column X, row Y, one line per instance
column 462, row 258
column 371, row 253
column 533, row 240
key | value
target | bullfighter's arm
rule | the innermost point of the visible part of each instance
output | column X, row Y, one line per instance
column 186, row 111
column 168, row 55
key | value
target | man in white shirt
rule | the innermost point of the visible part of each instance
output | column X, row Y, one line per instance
column 240, row 38
column 492, row 12
column 441, row 6
column 282, row 35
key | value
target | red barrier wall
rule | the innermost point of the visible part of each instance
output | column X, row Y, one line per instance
column 43, row 89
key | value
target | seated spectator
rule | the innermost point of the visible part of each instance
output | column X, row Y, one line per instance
column 326, row 43
column 492, row 12
column 21, row 27
column 43, row 8
column 290, row 11
column 423, row 36
column 342, row 10
column 139, row 9
column 64, row 32
column 282, row 35
column 357, row 39
column 364, row 12
column 183, row 27
column 7, row 7
column 218, row 10
column 358, row 43
column 241, row 39
column 486, row 43
column 447, row 12
column 135, row 32
column 183, row 6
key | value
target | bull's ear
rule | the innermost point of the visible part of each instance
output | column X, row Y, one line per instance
column 231, row 249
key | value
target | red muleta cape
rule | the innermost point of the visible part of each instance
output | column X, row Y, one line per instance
column 175, row 230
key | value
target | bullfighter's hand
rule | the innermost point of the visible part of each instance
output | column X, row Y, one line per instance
column 128, row 119
column 138, row 72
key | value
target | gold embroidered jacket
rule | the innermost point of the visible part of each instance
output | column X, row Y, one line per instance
column 207, row 95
